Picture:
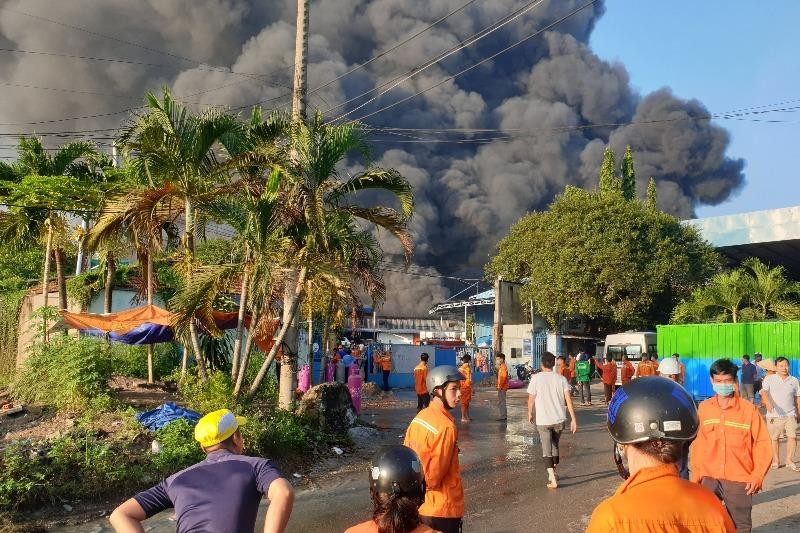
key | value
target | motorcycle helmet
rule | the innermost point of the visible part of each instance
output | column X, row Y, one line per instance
column 397, row 470
column 439, row 376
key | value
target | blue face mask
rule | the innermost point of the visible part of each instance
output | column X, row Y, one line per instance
column 723, row 389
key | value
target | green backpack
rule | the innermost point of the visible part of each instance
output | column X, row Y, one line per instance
column 582, row 370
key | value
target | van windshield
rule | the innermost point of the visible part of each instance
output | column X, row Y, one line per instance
column 633, row 351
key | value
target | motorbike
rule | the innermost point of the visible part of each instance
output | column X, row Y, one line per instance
column 524, row 371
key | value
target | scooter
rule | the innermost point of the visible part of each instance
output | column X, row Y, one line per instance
column 524, row 371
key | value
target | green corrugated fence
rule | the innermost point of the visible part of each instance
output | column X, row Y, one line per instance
column 699, row 345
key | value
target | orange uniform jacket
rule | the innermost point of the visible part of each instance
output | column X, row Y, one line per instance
column 627, row 372
column 502, row 376
column 433, row 435
column 371, row 527
column 420, row 373
column 672, row 505
column 386, row 362
column 571, row 369
column 645, row 368
column 466, row 385
column 609, row 373
column 733, row 443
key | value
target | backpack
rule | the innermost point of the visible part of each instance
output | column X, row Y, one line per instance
column 582, row 369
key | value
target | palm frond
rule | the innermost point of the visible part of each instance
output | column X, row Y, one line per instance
column 380, row 179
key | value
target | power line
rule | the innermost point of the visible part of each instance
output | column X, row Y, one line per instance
column 539, row 32
column 393, row 48
column 424, row 66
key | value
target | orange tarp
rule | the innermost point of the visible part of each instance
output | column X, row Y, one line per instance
column 121, row 322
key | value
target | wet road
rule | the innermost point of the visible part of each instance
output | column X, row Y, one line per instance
column 504, row 478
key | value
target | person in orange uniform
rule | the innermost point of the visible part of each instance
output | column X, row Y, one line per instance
column 645, row 368
column 433, row 435
column 420, row 374
column 502, row 386
column 397, row 485
column 385, row 362
column 627, row 370
column 682, row 375
column 651, row 420
column 466, row 386
column 572, row 378
column 732, row 452
column 609, row 370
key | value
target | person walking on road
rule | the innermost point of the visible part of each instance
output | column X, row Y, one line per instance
column 732, row 453
column 385, row 362
column 502, row 386
column 651, row 420
column 781, row 393
column 645, row 368
column 769, row 369
column 628, row 370
column 433, row 435
column 220, row 493
column 420, row 375
column 760, row 373
column 466, row 387
column 549, row 399
column 748, row 372
column 397, row 487
column 609, row 377
column 583, row 373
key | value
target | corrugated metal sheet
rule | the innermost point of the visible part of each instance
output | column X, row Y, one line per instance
column 699, row 345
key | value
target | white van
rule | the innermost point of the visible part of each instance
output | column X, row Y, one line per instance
column 633, row 344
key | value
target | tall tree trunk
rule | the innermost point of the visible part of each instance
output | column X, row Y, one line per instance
column 198, row 352
column 48, row 249
column 61, row 281
column 111, row 271
column 248, row 348
column 237, row 344
column 150, row 347
column 323, row 358
column 289, row 314
column 300, row 61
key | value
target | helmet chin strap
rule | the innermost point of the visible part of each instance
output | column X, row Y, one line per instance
column 439, row 393
column 623, row 472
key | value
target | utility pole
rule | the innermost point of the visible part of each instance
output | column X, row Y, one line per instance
column 288, row 372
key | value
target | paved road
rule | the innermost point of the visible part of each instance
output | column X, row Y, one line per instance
column 504, row 478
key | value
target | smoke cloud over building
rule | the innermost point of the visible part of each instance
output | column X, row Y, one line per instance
column 481, row 149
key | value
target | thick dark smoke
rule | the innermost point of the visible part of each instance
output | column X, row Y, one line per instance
column 554, row 104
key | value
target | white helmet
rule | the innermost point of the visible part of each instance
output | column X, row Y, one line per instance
column 669, row 367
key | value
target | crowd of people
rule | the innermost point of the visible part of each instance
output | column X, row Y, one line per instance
column 698, row 467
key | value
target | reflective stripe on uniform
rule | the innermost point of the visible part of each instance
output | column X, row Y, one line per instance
column 425, row 425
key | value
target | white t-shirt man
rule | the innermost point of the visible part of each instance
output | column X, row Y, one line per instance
column 784, row 393
column 548, row 389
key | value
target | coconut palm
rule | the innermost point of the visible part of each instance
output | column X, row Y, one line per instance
column 170, row 147
column 325, row 200
column 770, row 291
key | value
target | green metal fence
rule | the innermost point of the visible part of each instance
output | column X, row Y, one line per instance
column 699, row 345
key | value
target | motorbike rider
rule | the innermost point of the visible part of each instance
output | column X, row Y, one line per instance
column 651, row 420
column 433, row 435
column 397, row 487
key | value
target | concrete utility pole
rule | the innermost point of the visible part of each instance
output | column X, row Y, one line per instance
column 300, row 61
column 497, row 326
column 291, row 341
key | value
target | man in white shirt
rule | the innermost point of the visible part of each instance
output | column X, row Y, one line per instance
column 781, row 394
column 549, row 398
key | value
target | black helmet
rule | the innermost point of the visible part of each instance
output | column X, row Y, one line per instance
column 397, row 470
column 439, row 376
column 652, row 408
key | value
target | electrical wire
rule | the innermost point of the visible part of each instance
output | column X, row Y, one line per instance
column 485, row 32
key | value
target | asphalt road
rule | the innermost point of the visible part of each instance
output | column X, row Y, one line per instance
column 504, row 477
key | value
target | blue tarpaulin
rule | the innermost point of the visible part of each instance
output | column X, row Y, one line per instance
column 164, row 414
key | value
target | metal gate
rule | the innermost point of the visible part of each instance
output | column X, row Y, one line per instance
column 538, row 348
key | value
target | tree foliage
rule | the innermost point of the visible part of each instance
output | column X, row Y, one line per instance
column 604, row 257
column 628, row 175
column 752, row 292
column 609, row 182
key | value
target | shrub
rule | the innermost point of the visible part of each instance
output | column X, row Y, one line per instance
column 67, row 373
column 132, row 360
column 178, row 447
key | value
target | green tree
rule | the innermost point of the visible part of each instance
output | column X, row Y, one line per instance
column 609, row 182
column 603, row 257
column 652, row 198
column 628, row 175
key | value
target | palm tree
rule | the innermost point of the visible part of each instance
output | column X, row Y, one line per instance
column 770, row 291
column 325, row 203
column 171, row 147
column 45, row 186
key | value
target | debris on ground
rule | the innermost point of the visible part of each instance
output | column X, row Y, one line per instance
column 364, row 437
column 329, row 407
column 370, row 390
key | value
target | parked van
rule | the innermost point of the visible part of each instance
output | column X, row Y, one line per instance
column 633, row 344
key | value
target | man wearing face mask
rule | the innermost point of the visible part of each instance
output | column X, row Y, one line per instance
column 732, row 452
column 651, row 421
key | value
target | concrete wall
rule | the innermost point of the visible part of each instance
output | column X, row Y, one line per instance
column 513, row 336
column 512, row 311
column 121, row 299
column 25, row 330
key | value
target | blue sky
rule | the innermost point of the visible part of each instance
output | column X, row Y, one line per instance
column 729, row 55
